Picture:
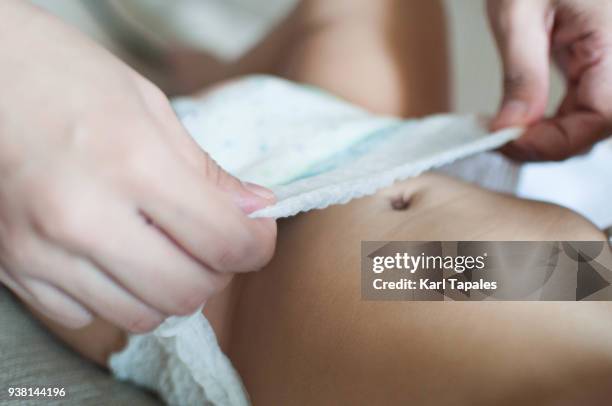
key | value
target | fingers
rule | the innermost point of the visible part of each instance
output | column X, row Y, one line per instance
column 49, row 301
column 581, row 36
column 207, row 223
column 559, row 138
column 56, row 304
column 83, row 287
column 136, row 268
column 148, row 264
column 133, row 253
column 110, row 300
column 133, row 277
column 577, row 56
column 90, row 286
column 521, row 30
column 579, row 46
column 583, row 117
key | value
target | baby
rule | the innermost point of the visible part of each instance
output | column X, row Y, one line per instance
column 298, row 332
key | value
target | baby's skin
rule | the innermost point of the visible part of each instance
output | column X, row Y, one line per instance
column 298, row 332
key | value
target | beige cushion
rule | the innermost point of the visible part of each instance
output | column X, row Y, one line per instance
column 30, row 357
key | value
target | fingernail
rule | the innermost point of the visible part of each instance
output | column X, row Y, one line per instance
column 513, row 112
column 256, row 197
column 260, row 191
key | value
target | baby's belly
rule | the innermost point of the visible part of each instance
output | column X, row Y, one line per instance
column 428, row 208
column 284, row 319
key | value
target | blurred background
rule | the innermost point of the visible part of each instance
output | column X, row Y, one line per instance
column 583, row 183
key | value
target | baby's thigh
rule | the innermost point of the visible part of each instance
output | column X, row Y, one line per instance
column 376, row 54
column 302, row 334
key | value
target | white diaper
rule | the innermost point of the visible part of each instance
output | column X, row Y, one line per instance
column 313, row 150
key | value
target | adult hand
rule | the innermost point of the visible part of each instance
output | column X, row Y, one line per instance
column 107, row 206
column 578, row 34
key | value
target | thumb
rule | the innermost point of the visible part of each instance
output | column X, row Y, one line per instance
column 521, row 30
column 248, row 196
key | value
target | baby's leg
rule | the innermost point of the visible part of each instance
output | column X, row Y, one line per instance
column 389, row 56
column 302, row 335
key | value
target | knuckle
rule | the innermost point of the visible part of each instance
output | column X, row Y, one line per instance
column 49, row 210
column 515, row 82
column 230, row 253
column 244, row 252
column 59, row 212
column 60, row 221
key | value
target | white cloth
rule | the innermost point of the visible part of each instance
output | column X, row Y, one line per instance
column 313, row 150
column 181, row 360
column 206, row 24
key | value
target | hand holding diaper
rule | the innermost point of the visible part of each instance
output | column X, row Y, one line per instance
column 107, row 206
column 577, row 34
